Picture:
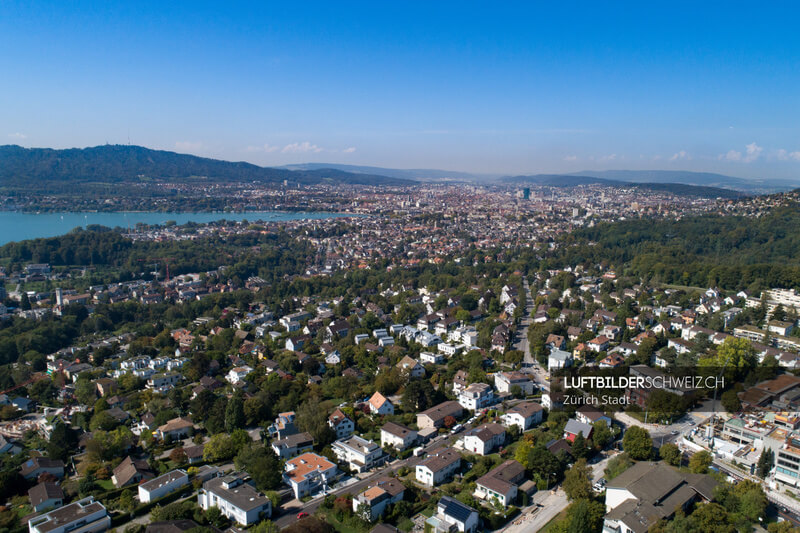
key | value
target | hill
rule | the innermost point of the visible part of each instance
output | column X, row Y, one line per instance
column 122, row 163
column 731, row 252
column 708, row 179
column 405, row 173
column 680, row 189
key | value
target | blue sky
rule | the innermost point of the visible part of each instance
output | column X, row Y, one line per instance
column 482, row 87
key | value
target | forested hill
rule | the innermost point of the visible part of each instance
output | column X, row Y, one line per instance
column 729, row 252
column 679, row 189
column 122, row 163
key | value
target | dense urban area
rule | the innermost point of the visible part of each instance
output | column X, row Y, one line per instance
column 395, row 369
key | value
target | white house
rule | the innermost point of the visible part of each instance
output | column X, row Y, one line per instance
column 411, row 367
column 162, row 485
column 431, row 358
column 341, row 424
column 237, row 374
column 450, row 349
column 379, row 405
column 476, row 396
column 438, row 467
column 504, row 381
column 500, row 484
column 452, row 514
column 484, row 439
column 235, row 498
column 524, row 415
column 373, row 501
column 558, row 359
column 397, row 436
column 360, row 454
column 308, row 473
column 83, row 516
column 292, row 445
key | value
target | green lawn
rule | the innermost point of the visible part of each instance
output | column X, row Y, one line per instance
column 107, row 484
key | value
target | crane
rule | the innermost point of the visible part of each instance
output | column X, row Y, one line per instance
column 157, row 260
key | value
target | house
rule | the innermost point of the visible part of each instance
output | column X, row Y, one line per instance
column 599, row 343
column 612, row 360
column 411, row 367
column 33, row 467
column 648, row 492
column 45, row 496
column 371, row 503
column 307, row 473
column 452, row 515
column 432, row 358
column 589, row 414
column 162, row 485
column 435, row 416
column 236, row 498
column 359, row 454
column 476, row 396
column 293, row 445
column 84, row 516
column 130, row 472
column 397, row 436
column 484, row 439
column 378, row 404
column 558, row 359
column 237, row 374
column 574, row 428
column 174, row 526
column 338, row 329
column 162, row 383
column 175, row 429
column 333, row 357
column 555, row 341
column 505, row 381
column 194, row 454
column 524, row 415
column 460, row 381
column 341, row 424
column 438, row 467
column 500, row 484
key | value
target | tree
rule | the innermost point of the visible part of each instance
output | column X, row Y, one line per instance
column 449, row 421
column 617, row 465
column 262, row 464
column 62, row 440
column 730, row 401
column 178, row 456
column 579, row 448
column 312, row 419
column 578, row 481
column 234, row 412
column 710, row 517
column 637, row 443
column 601, row 434
column 218, row 448
column 765, row 462
column 585, row 516
column 699, row 462
column 671, row 454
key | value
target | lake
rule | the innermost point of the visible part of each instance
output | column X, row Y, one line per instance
column 16, row 226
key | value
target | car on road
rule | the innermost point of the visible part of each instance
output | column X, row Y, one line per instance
column 302, row 514
column 673, row 432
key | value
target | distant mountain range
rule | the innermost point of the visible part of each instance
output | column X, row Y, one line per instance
column 708, row 179
column 123, row 163
column 419, row 174
column 681, row 189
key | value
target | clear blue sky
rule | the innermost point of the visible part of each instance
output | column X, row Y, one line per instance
column 483, row 87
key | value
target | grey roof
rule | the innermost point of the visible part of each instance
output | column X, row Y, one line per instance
column 43, row 492
column 396, row 429
column 574, row 427
column 169, row 477
column 243, row 496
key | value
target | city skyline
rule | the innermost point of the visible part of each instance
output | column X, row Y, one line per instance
column 505, row 91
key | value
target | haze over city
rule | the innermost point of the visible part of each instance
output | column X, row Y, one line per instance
column 502, row 89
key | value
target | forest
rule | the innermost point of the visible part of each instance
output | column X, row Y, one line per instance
column 730, row 252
